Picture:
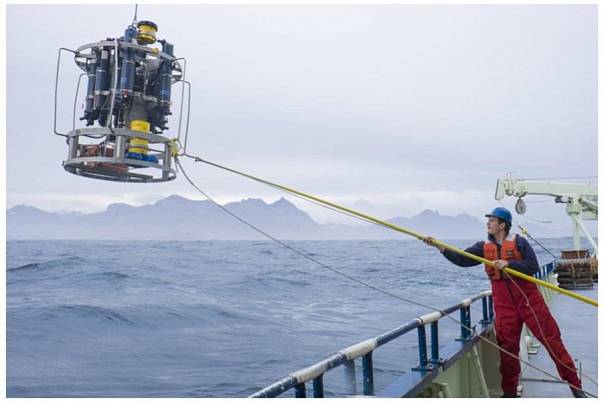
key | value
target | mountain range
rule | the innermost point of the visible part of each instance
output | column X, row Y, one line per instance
column 179, row 218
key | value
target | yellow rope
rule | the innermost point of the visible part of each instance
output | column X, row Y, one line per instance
column 409, row 232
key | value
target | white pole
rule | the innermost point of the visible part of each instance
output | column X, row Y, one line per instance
column 579, row 224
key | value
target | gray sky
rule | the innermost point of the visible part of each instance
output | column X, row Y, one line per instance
column 393, row 109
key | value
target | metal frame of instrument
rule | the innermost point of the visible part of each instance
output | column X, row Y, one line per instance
column 112, row 127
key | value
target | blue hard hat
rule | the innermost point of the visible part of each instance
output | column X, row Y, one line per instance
column 502, row 213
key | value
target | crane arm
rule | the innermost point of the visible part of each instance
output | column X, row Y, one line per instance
column 519, row 188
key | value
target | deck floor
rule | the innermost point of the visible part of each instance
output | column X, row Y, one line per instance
column 578, row 323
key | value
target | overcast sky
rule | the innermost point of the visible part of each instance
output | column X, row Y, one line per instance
column 393, row 109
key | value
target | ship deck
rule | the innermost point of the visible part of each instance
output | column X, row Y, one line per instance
column 578, row 323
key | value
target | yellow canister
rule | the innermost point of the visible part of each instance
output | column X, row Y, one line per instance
column 146, row 32
column 139, row 145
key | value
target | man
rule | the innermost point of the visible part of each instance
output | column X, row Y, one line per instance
column 510, row 296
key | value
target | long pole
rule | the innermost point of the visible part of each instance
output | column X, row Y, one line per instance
column 406, row 231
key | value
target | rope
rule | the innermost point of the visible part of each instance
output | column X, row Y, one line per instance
column 366, row 284
column 547, row 345
column 402, row 230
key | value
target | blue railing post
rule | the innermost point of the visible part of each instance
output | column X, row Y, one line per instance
column 301, row 390
column 462, row 321
column 485, row 311
column 491, row 311
column 351, row 376
column 368, row 374
column 466, row 322
column 423, row 349
column 435, row 359
column 317, row 387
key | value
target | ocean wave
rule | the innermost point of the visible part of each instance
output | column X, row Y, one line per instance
column 278, row 282
column 112, row 275
column 91, row 311
column 34, row 266
column 30, row 266
column 210, row 319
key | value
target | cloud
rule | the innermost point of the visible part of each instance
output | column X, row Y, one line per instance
column 401, row 106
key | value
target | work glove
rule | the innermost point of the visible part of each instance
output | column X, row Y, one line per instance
column 494, row 272
column 430, row 241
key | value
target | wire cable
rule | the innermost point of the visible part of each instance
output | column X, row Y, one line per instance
column 363, row 283
column 404, row 230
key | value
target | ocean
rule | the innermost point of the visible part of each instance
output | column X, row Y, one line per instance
column 214, row 318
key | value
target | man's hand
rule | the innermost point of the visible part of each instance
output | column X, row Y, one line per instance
column 500, row 264
column 430, row 241
column 494, row 271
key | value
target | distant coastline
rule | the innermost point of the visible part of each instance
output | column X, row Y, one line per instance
column 179, row 218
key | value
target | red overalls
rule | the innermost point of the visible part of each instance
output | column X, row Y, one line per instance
column 511, row 311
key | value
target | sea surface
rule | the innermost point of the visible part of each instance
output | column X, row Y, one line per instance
column 215, row 318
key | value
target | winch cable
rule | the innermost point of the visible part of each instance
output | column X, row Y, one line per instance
column 366, row 284
column 397, row 228
column 527, row 234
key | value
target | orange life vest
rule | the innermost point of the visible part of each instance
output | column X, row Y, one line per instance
column 509, row 251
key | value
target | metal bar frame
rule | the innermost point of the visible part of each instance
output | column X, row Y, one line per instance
column 61, row 49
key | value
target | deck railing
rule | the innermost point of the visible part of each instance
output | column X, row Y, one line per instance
column 364, row 350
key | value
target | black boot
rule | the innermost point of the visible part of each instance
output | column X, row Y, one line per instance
column 578, row 393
